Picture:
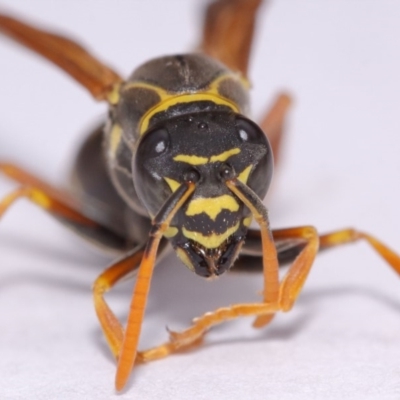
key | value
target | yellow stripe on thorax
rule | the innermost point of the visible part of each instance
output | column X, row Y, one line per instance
column 168, row 99
column 212, row 206
column 183, row 98
column 113, row 96
column 115, row 140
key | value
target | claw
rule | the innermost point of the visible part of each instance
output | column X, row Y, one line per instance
column 173, row 336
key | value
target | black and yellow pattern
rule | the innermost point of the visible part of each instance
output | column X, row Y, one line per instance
column 158, row 90
column 182, row 115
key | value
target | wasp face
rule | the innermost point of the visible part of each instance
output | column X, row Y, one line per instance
column 207, row 148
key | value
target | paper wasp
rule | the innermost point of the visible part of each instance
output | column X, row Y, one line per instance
column 217, row 198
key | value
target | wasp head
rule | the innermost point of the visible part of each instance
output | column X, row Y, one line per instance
column 207, row 148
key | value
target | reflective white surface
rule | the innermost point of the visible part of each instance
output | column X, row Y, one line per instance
column 341, row 167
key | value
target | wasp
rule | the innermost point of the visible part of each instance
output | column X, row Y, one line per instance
column 177, row 163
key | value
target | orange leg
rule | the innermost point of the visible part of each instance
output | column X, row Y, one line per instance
column 23, row 177
column 290, row 286
column 68, row 55
column 350, row 235
column 161, row 222
column 112, row 328
column 46, row 202
column 62, row 206
column 122, row 343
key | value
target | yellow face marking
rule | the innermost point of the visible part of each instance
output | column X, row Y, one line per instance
column 115, row 139
column 171, row 232
column 211, row 241
column 244, row 175
column 225, row 155
column 172, row 183
column 191, row 159
column 184, row 258
column 247, row 221
column 196, row 160
column 212, row 206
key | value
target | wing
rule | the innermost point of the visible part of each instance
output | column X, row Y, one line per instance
column 228, row 32
column 68, row 55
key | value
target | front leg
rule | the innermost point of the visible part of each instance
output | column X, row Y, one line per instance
column 289, row 288
column 193, row 336
column 273, row 301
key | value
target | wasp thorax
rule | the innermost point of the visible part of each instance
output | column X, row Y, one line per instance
column 207, row 148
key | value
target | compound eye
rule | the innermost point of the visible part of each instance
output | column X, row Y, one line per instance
column 154, row 143
column 248, row 131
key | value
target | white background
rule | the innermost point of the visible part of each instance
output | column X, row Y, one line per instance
column 341, row 167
